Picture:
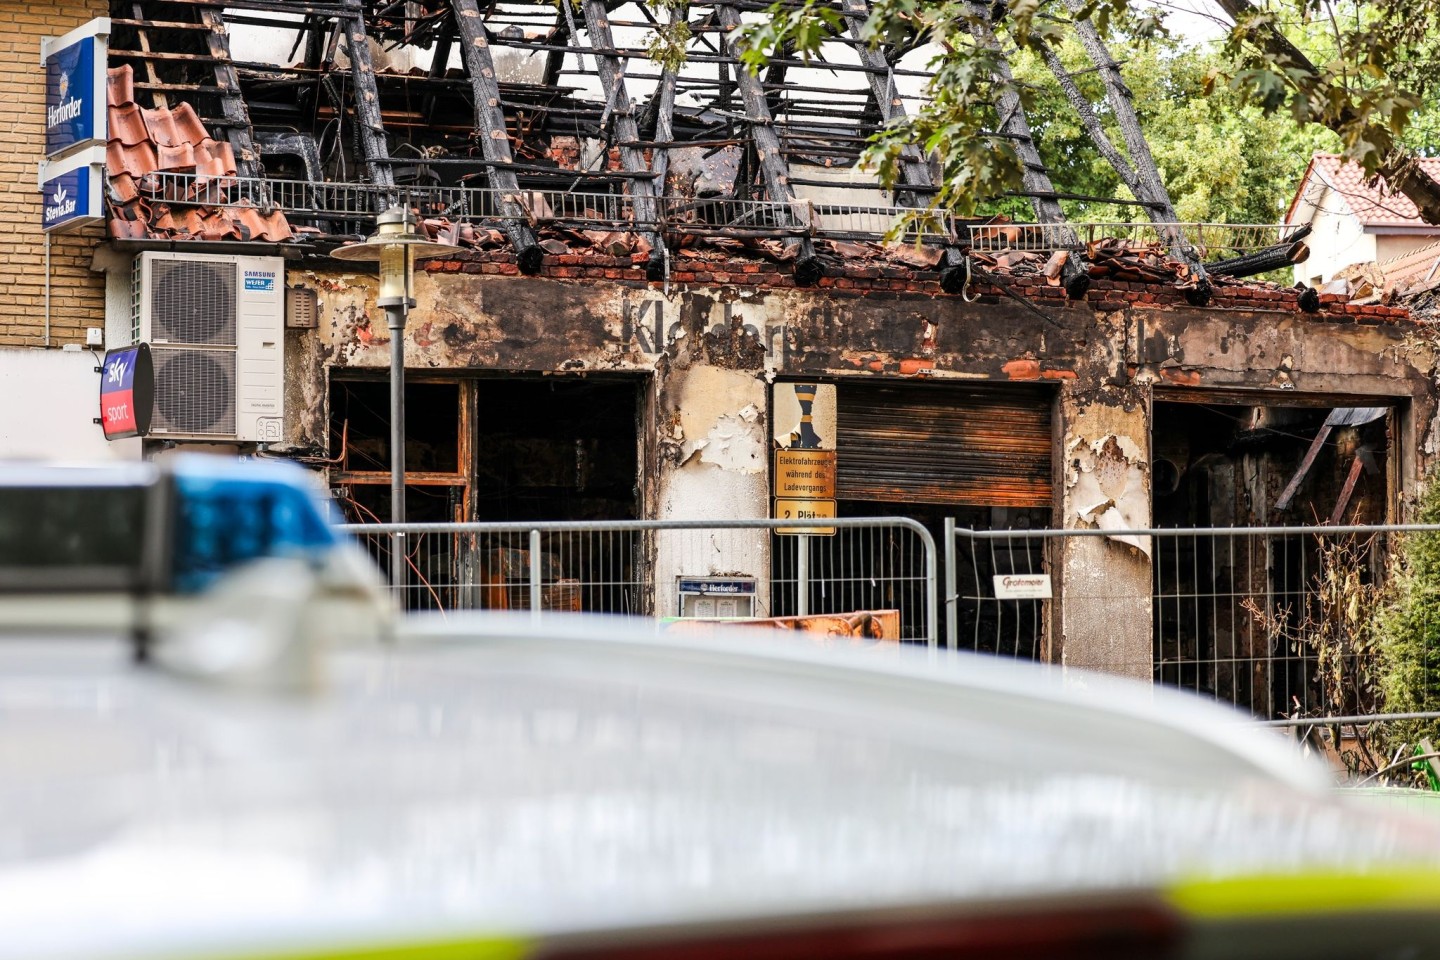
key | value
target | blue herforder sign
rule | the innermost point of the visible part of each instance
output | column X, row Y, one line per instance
column 75, row 87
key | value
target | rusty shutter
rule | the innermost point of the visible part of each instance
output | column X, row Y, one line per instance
column 942, row 443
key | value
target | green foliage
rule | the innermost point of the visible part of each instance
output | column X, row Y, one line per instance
column 667, row 44
column 1222, row 159
column 1409, row 630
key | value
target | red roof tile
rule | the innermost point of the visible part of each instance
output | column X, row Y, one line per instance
column 145, row 142
column 1373, row 202
column 126, row 125
column 119, row 85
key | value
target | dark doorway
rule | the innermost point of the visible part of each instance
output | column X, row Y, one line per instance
column 1232, row 608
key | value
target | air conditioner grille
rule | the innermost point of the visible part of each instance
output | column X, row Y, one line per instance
column 194, row 391
column 192, row 301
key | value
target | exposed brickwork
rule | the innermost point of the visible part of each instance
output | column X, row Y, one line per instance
column 880, row 281
column 77, row 296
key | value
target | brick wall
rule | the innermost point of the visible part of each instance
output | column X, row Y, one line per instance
column 77, row 296
column 876, row 281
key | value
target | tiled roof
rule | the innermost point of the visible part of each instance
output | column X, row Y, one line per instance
column 1373, row 202
column 146, row 142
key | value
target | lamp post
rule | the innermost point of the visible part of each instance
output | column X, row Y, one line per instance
column 395, row 246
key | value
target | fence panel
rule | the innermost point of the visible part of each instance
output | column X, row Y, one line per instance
column 1275, row 620
column 637, row 567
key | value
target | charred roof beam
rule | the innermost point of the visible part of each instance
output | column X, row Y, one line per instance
column 644, row 203
column 494, row 137
column 773, row 168
column 1074, row 275
column 366, row 99
column 914, row 171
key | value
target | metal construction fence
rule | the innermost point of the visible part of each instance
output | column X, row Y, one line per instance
column 1279, row 621
column 667, row 568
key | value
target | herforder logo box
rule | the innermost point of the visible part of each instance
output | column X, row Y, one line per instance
column 75, row 87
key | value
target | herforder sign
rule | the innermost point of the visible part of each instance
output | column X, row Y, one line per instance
column 75, row 87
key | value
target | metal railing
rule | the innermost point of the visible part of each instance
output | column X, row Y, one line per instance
column 349, row 208
column 1274, row 620
column 647, row 567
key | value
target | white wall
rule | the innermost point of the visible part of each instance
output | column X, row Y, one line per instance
column 1390, row 247
column 1337, row 241
column 51, row 398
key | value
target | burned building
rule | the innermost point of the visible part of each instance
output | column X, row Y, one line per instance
column 659, row 253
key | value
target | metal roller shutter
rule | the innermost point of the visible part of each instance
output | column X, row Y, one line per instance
column 939, row 443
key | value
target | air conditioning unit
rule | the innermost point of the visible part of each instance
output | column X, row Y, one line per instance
column 216, row 330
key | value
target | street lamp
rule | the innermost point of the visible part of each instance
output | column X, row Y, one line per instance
column 395, row 246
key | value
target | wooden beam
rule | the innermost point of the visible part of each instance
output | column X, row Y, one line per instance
column 1288, row 493
column 644, row 203
column 366, row 97
column 808, row 269
column 914, row 171
column 491, row 131
column 1074, row 274
column 1148, row 185
column 238, row 130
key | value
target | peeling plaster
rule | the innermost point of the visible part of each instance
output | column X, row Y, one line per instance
column 1106, row 463
column 716, row 432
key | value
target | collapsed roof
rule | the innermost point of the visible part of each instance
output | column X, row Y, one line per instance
column 626, row 126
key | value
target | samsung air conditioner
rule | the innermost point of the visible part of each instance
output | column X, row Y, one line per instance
column 216, row 330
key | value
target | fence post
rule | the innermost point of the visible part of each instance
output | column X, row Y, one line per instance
column 802, row 575
column 534, row 574
column 952, row 605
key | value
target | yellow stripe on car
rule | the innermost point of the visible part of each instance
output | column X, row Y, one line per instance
column 1307, row 893
column 490, row 948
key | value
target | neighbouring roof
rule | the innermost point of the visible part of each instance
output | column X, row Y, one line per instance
column 1368, row 198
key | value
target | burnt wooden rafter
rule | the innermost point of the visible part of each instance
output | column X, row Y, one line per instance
column 1147, row 186
column 644, row 201
column 491, row 131
column 773, row 168
column 237, row 115
column 914, row 171
column 1074, row 276
column 368, row 120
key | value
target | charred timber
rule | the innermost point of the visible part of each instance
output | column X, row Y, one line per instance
column 490, row 130
column 1262, row 261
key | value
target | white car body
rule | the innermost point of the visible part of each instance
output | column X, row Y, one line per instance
column 491, row 787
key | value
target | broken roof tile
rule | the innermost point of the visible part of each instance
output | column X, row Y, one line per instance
column 186, row 123
column 123, row 189
column 160, row 122
column 180, row 157
column 126, row 124
column 120, row 85
column 136, row 161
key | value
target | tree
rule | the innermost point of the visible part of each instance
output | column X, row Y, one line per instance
column 1222, row 159
column 1357, row 68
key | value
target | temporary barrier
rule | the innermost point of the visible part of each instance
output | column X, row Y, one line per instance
column 712, row 569
column 1276, row 620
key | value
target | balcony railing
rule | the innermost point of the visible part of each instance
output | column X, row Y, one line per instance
column 344, row 209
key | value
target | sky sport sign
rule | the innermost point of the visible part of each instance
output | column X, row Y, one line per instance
column 127, row 392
